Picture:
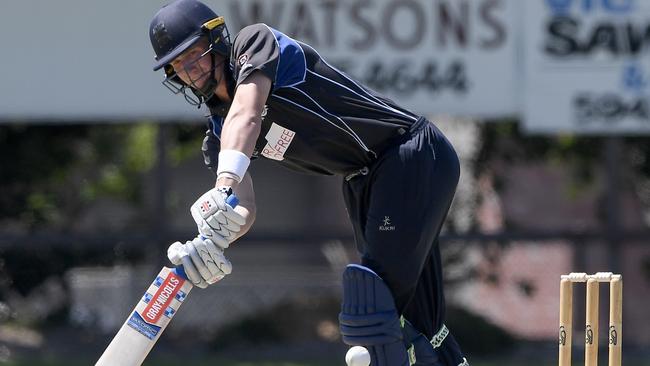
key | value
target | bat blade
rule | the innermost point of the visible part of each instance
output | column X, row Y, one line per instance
column 147, row 321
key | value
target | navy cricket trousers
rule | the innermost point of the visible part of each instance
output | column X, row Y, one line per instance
column 397, row 211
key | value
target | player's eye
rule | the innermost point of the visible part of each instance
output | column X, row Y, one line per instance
column 177, row 62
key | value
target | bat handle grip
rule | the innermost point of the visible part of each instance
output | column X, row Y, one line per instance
column 180, row 271
column 233, row 201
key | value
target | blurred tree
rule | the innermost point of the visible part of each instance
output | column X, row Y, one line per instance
column 48, row 174
column 582, row 156
column 503, row 142
column 31, row 159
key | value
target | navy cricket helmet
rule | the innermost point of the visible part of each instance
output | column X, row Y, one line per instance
column 178, row 26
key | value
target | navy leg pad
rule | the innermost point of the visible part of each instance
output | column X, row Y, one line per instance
column 369, row 318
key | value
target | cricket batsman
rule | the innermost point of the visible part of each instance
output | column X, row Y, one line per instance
column 273, row 97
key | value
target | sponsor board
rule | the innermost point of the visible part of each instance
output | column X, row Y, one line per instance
column 587, row 67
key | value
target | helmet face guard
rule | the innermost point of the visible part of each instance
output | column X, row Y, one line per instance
column 176, row 28
column 193, row 94
column 200, row 88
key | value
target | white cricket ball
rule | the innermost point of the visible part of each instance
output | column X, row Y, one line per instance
column 357, row 356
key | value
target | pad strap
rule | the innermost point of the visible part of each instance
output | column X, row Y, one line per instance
column 425, row 352
column 437, row 339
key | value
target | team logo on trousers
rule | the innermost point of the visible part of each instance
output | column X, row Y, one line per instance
column 387, row 225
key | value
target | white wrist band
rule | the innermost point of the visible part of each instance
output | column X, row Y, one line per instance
column 233, row 162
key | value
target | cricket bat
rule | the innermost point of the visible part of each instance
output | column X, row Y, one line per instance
column 150, row 317
column 148, row 320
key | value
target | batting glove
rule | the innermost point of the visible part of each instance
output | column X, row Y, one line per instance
column 204, row 263
column 215, row 219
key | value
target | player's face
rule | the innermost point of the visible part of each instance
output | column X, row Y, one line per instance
column 194, row 65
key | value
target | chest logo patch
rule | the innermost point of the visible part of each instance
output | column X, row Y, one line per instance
column 278, row 140
column 242, row 59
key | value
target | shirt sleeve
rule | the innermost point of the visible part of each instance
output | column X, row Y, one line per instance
column 255, row 48
column 212, row 143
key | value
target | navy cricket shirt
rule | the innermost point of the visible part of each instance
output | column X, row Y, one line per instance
column 316, row 119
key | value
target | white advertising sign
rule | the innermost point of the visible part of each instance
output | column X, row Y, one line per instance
column 587, row 68
column 452, row 57
column 90, row 61
column 81, row 61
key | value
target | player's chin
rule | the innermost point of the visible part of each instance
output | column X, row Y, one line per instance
column 200, row 83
